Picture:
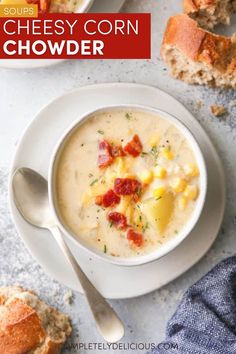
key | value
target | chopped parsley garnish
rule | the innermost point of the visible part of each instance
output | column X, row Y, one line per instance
column 93, row 182
column 155, row 152
column 158, row 198
column 139, row 191
column 100, row 132
column 105, row 248
column 176, row 231
column 128, row 116
column 143, row 154
column 111, row 224
column 145, row 227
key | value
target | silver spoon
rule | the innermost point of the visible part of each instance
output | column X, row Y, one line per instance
column 30, row 192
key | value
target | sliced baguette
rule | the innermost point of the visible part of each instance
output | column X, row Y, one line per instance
column 210, row 13
column 28, row 325
column 197, row 56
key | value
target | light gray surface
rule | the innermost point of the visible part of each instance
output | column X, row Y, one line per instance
column 24, row 92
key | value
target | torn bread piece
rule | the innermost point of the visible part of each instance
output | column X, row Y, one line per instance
column 197, row 56
column 209, row 13
column 218, row 110
column 28, row 325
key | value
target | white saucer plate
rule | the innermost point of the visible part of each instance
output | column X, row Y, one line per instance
column 99, row 6
column 34, row 150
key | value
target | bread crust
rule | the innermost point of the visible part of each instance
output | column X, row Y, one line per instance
column 20, row 328
column 191, row 6
column 196, row 43
column 24, row 321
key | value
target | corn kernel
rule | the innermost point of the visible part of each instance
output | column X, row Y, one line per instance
column 129, row 175
column 160, row 172
column 146, row 176
column 153, row 141
column 191, row 170
column 191, row 192
column 167, row 153
column 178, row 184
column 159, row 192
column 182, row 202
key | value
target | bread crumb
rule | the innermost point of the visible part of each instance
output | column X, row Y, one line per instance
column 68, row 298
column 199, row 104
column 218, row 110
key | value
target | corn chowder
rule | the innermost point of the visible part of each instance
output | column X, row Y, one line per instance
column 126, row 182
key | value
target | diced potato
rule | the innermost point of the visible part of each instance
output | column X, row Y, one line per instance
column 130, row 175
column 158, row 212
column 120, row 166
column 191, row 192
column 123, row 205
column 191, row 170
column 178, row 184
column 159, row 192
column 153, row 141
column 182, row 203
column 97, row 189
column 129, row 213
column 167, row 153
column 146, row 176
column 110, row 176
column 160, row 172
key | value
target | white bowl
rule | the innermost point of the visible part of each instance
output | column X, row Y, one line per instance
column 170, row 244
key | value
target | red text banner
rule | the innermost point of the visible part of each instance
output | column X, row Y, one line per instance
column 76, row 36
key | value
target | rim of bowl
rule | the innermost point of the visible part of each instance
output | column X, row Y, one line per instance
column 171, row 244
column 85, row 6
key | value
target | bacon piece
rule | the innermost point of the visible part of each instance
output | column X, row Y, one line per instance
column 135, row 237
column 127, row 186
column 118, row 219
column 105, row 157
column 44, row 5
column 134, row 147
column 117, row 151
column 99, row 200
column 109, row 199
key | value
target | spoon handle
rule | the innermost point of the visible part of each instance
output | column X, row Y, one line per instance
column 108, row 323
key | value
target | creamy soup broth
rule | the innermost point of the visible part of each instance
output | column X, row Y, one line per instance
column 165, row 170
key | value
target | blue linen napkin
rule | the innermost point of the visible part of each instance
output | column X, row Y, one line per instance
column 205, row 320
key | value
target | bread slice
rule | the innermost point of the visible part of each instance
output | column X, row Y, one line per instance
column 197, row 56
column 28, row 325
column 210, row 13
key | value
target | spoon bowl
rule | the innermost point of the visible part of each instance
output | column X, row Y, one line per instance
column 31, row 197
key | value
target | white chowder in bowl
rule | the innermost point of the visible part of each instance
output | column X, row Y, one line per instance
column 129, row 182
